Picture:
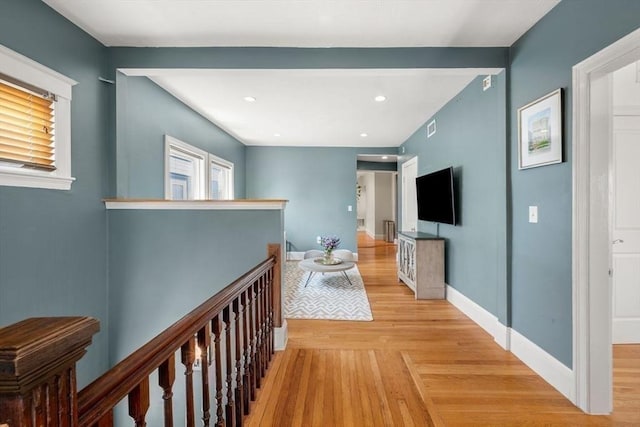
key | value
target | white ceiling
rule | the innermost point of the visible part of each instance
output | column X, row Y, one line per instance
column 304, row 23
column 316, row 107
column 310, row 107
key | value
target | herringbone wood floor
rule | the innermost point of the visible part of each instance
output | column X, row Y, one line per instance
column 418, row 363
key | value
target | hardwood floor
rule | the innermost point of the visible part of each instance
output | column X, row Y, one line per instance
column 418, row 363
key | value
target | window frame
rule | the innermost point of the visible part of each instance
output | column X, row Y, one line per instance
column 218, row 161
column 33, row 73
column 204, row 169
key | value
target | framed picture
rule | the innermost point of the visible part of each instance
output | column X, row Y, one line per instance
column 540, row 131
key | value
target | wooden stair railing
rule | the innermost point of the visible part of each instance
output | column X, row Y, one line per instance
column 38, row 370
column 38, row 357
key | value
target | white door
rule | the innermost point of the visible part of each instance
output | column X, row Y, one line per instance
column 626, row 229
column 409, row 197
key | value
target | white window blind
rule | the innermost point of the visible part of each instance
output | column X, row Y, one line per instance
column 27, row 121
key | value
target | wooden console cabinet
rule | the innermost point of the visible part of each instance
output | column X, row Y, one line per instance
column 421, row 264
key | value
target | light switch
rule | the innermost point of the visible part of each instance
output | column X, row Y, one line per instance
column 533, row 214
column 349, row 208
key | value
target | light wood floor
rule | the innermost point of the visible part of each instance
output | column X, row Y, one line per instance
column 418, row 363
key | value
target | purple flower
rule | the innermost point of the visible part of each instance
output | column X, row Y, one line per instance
column 329, row 243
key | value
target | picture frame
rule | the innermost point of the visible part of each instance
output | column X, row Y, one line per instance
column 540, row 131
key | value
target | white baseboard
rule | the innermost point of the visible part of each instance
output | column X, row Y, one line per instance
column 502, row 335
column 482, row 317
column 280, row 336
column 542, row 363
column 545, row 365
column 625, row 331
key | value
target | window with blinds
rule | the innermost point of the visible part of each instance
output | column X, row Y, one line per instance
column 27, row 122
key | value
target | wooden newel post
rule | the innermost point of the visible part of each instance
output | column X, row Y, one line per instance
column 38, row 370
column 274, row 249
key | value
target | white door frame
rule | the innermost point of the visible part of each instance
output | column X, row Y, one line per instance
column 404, row 213
column 591, row 246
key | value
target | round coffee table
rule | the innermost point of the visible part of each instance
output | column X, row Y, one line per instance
column 313, row 267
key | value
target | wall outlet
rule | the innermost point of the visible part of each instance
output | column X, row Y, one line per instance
column 349, row 208
column 533, row 214
column 318, row 239
column 486, row 83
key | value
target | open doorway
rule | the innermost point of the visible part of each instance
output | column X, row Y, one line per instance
column 377, row 197
column 625, row 205
column 409, row 199
column 596, row 216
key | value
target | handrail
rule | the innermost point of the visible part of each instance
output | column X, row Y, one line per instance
column 38, row 359
column 98, row 398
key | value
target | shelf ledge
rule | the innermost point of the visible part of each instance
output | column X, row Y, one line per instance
column 161, row 204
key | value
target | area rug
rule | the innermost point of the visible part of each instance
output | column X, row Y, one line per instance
column 328, row 296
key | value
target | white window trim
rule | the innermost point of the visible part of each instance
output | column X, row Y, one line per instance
column 22, row 68
column 224, row 163
column 208, row 158
column 174, row 143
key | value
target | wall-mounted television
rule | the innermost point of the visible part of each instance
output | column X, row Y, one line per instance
column 436, row 197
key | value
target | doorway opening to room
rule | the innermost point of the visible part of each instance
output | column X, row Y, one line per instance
column 377, row 199
column 606, row 147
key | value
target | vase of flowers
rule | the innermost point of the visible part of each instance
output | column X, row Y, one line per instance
column 329, row 243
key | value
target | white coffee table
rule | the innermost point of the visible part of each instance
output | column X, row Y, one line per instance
column 313, row 267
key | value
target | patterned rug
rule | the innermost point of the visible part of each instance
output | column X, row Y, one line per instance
column 328, row 296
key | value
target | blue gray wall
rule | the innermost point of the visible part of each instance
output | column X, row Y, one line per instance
column 145, row 113
column 470, row 137
column 308, row 58
column 163, row 264
column 541, row 62
column 63, row 232
column 319, row 182
column 377, row 166
column 72, row 278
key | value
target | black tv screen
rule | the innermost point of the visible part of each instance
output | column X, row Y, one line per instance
column 435, row 193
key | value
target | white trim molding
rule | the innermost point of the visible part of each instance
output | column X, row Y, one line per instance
column 30, row 72
column 549, row 368
column 543, row 364
column 502, row 335
column 18, row 177
column 219, row 205
column 281, row 336
column 481, row 316
column 591, row 295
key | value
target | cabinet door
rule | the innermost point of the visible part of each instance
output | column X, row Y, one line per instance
column 407, row 250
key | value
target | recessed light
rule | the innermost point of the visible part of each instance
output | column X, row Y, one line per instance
column 276, row 134
column 385, row 157
column 249, row 99
column 380, row 98
column 364, row 135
